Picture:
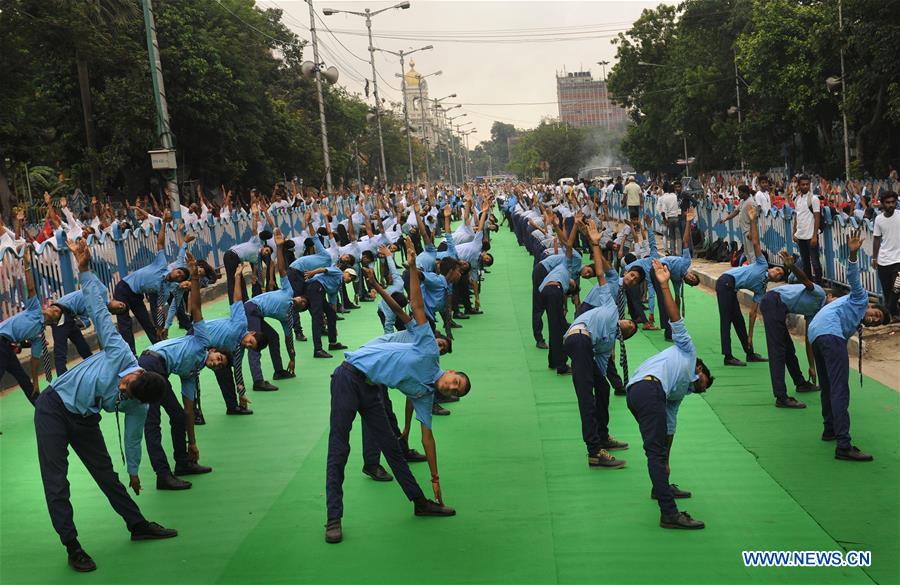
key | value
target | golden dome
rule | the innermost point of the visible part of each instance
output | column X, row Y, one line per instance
column 412, row 76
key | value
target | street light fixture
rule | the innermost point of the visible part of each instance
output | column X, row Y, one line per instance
column 402, row 54
column 424, row 124
column 368, row 14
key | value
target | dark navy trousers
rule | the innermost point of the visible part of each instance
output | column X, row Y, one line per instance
column 833, row 367
column 9, row 362
column 538, row 274
column 647, row 402
column 371, row 451
column 779, row 344
column 592, row 391
column 321, row 313
column 730, row 315
column 351, row 393
column 153, row 424
column 57, row 429
column 553, row 299
column 135, row 303
column 61, row 336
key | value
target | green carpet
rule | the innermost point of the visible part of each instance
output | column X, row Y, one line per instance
column 511, row 461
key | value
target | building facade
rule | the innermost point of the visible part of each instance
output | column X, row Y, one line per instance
column 420, row 107
column 584, row 102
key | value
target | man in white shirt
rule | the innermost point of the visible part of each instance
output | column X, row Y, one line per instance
column 886, row 251
column 806, row 228
column 763, row 201
column 668, row 207
column 633, row 198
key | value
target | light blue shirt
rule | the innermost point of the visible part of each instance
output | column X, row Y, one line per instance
column 675, row 368
column 602, row 323
column 753, row 277
column 435, row 289
column 407, row 361
column 248, row 251
column 151, row 278
column 800, row 301
column 26, row 326
column 842, row 317
column 225, row 334
column 559, row 274
column 93, row 384
column 330, row 280
column 74, row 303
column 186, row 356
column 321, row 259
column 396, row 286
column 427, row 259
column 679, row 266
column 598, row 295
column 279, row 304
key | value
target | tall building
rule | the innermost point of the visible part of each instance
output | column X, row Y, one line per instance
column 584, row 102
column 415, row 95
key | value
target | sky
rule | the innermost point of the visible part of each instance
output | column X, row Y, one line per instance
column 500, row 58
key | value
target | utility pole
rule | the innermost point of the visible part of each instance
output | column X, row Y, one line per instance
column 315, row 45
column 377, row 100
column 424, row 133
column 166, row 162
column 737, row 90
column 844, row 95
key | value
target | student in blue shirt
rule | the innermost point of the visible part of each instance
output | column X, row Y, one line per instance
column 554, row 289
column 65, row 316
column 154, row 277
column 26, row 327
column 803, row 299
column 68, row 414
column 589, row 342
column 828, row 333
column 753, row 277
column 396, row 291
column 255, row 251
column 185, row 357
column 654, row 393
column 280, row 305
column 322, row 287
column 409, row 362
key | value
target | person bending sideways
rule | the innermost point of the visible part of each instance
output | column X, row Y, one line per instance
column 409, row 364
column 654, row 393
column 804, row 299
column 753, row 277
column 828, row 333
column 589, row 342
column 184, row 357
column 68, row 414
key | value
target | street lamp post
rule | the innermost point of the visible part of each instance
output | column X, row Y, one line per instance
column 466, row 159
column 451, row 150
column 844, row 95
column 368, row 14
column 402, row 54
column 687, row 167
column 318, row 75
column 460, row 160
column 603, row 64
column 436, row 108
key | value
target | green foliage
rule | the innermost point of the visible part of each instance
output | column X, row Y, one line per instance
column 784, row 51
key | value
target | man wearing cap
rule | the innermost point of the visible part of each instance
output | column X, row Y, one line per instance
column 322, row 287
column 409, row 362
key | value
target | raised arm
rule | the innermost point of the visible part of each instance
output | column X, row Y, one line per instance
column 416, row 302
column 600, row 265
column 791, row 266
column 194, row 303
column 279, row 244
column 161, row 237
column 388, row 299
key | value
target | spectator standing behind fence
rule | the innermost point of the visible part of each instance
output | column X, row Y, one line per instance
column 633, row 197
column 762, row 197
column 669, row 210
column 806, row 228
column 744, row 221
column 886, row 251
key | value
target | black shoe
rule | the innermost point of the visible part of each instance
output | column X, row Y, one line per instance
column 322, row 354
column 852, row 454
column 619, row 388
column 283, row 375
column 756, row 358
column 564, row 371
column 611, row 444
column 668, row 338
column 199, row 420
column 459, row 315
column 377, row 472
column 350, row 307
column 828, row 436
column 300, row 337
column 676, row 492
column 167, row 481
column 789, row 402
column 333, row 532
column 264, row 386
column 336, row 346
column 81, row 561
column 367, row 299
column 542, row 345
column 454, row 325
column 338, row 316
column 152, row 531
column 602, row 459
column 474, row 312
column 438, row 410
column 240, row 410
column 426, row 507
column 681, row 520
column 413, row 456
column 191, row 468
column 733, row 361
column 807, row 387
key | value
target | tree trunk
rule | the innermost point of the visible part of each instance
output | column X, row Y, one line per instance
column 5, row 199
column 864, row 130
column 84, row 84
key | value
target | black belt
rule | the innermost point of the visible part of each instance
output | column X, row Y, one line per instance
column 153, row 354
column 353, row 370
